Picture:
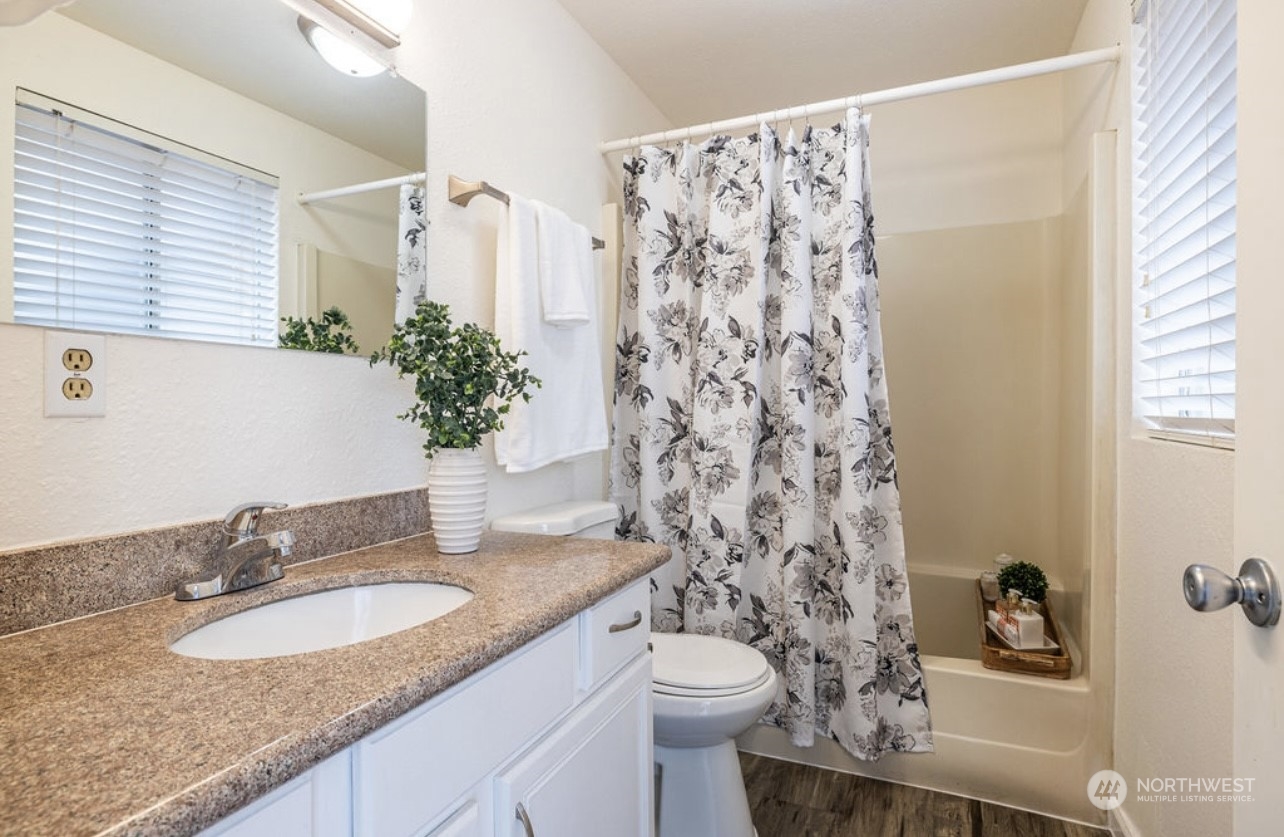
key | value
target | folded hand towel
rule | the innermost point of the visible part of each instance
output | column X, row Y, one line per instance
column 565, row 267
column 566, row 417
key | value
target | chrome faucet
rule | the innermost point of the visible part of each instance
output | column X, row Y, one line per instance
column 244, row 558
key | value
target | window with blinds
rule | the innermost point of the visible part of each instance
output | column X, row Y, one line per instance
column 123, row 231
column 1184, row 217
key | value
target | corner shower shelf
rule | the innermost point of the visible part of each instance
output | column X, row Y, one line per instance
column 996, row 655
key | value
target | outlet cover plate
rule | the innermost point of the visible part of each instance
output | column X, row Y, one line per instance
column 57, row 375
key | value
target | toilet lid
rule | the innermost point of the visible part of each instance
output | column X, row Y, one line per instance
column 693, row 661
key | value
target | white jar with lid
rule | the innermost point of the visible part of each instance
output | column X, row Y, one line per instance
column 990, row 586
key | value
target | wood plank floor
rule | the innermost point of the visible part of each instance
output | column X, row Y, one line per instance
column 795, row 800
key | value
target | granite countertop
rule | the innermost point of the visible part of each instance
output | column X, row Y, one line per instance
column 104, row 730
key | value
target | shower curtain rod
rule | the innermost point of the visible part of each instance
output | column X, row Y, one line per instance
column 879, row 97
column 356, row 189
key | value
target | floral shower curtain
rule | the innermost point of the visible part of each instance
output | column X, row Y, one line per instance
column 412, row 260
column 751, row 428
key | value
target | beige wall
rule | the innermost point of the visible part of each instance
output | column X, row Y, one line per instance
column 986, row 326
column 1074, row 356
column 1170, row 696
column 990, row 155
column 62, row 59
column 970, row 325
column 518, row 94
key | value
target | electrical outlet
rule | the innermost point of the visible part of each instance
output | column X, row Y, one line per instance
column 75, row 374
column 77, row 360
column 77, row 389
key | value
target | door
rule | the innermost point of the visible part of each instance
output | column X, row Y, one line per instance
column 1259, row 421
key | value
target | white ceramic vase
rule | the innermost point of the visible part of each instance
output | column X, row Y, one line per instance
column 457, row 499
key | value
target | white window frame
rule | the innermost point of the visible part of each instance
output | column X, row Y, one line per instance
column 120, row 230
column 1183, row 220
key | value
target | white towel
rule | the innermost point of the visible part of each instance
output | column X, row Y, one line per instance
column 567, row 416
column 565, row 267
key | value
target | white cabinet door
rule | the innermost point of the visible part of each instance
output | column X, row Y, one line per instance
column 592, row 775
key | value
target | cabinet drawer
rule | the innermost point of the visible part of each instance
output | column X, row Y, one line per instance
column 411, row 771
column 613, row 632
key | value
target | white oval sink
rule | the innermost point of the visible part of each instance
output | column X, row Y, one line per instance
column 316, row 621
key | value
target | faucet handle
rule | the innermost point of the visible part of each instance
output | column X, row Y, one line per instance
column 243, row 521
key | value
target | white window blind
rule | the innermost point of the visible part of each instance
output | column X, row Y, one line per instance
column 122, row 231
column 1184, row 217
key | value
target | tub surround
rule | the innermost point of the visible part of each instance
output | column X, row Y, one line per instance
column 52, row 583
column 107, row 731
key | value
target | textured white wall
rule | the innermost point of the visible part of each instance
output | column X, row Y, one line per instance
column 1174, row 508
column 191, row 430
column 518, row 94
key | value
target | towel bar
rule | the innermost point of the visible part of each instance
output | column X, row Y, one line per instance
column 463, row 191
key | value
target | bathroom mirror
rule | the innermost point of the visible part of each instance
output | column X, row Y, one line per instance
column 237, row 80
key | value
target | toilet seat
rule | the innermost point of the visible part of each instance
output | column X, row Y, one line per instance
column 694, row 665
column 678, row 691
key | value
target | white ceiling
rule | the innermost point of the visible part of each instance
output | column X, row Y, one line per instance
column 702, row 60
column 255, row 48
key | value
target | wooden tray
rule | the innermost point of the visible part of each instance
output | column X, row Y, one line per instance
column 1039, row 663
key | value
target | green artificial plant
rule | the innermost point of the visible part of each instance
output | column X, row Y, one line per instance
column 329, row 335
column 1026, row 577
column 464, row 381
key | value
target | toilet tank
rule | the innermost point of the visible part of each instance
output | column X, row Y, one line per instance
column 575, row 518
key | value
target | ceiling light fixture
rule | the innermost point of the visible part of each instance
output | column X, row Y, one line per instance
column 337, row 37
column 339, row 53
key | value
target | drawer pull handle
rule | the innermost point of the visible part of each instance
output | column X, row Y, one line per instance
column 624, row 626
column 526, row 820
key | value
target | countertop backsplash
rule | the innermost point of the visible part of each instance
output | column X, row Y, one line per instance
column 55, row 582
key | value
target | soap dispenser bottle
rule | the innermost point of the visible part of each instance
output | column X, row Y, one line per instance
column 1029, row 625
column 1005, row 618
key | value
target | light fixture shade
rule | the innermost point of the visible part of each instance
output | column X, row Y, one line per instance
column 338, row 53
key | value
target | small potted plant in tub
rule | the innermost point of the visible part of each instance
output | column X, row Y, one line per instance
column 1028, row 578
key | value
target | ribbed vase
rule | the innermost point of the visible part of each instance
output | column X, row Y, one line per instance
column 457, row 499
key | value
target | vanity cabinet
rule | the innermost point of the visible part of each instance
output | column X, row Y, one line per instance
column 558, row 732
column 315, row 804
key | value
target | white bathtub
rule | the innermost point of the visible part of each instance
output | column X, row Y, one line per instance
column 1018, row 740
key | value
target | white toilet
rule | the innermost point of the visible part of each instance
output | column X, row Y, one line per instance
column 705, row 691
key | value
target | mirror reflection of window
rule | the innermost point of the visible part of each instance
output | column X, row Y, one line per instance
column 236, row 79
column 120, row 230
